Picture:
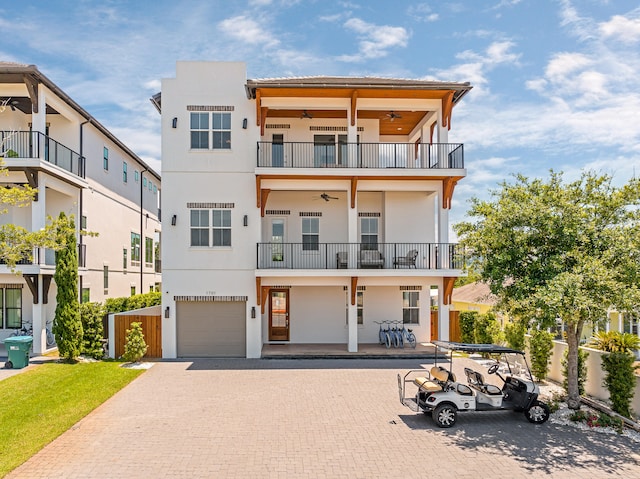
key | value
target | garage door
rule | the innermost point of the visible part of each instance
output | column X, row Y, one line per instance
column 211, row 329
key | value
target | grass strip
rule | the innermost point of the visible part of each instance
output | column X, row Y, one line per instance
column 39, row 405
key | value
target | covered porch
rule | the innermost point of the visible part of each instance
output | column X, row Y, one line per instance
column 339, row 351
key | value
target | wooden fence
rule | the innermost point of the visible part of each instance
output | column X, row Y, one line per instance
column 151, row 328
column 454, row 325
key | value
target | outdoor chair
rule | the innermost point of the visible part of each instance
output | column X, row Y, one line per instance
column 408, row 260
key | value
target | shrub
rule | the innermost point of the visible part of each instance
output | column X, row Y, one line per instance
column 93, row 332
column 597, row 420
column 514, row 332
column 582, row 370
column 619, row 380
column 137, row 301
column 483, row 328
column 467, row 326
column 613, row 341
column 135, row 346
column 540, row 347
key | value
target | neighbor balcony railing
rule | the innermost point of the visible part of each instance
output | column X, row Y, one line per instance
column 360, row 155
column 311, row 255
column 33, row 144
column 47, row 257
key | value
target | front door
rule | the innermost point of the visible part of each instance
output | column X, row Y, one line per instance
column 279, row 315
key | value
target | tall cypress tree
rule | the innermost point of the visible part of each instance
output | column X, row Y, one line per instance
column 67, row 325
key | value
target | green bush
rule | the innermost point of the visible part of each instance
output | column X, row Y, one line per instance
column 613, row 341
column 135, row 346
column 514, row 332
column 93, row 332
column 137, row 301
column 582, row 370
column 467, row 326
column 540, row 348
column 619, row 380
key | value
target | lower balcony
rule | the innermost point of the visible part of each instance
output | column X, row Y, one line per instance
column 312, row 255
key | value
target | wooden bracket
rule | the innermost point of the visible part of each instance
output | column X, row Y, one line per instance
column 354, row 288
column 264, row 194
column 448, row 185
column 258, row 106
column 32, row 89
column 258, row 289
column 447, row 109
column 263, row 118
column 354, row 191
column 32, row 179
column 354, row 101
column 32, row 283
column 46, row 282
column 433, row 127
column 448, row 289
column 263, row 299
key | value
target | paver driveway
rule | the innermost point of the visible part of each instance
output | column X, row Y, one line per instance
column 309, row 418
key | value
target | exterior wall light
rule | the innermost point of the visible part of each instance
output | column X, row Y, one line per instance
column 244, row 124
column 245, row 220
column 174, row 220
column 253, row 312
column 166, row 312
column 174, row 122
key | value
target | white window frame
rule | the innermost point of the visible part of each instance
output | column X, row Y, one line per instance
column 410, row 311
column 310, row 228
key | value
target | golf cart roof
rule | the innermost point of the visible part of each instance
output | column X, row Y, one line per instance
column 475, row 348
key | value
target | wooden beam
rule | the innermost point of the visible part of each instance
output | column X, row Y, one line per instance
column 354, row 288
column 32, row 178
column 447, row 109
column 46, row 282
column 32, row 89
column 448, row 289
column 263, row 299
column 433, row 127
column 258, row 289
column 354, row 191
column 258, row 106
column 264, row 194
column 263, row 118
column 32, row 283
column 354, row 101
column 258, row 183
column 448, row 185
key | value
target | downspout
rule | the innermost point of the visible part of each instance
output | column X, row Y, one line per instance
column 81, row 201
column 141, row 231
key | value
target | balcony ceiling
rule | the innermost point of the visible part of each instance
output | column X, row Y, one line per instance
column 23, row 104
column 400, row 123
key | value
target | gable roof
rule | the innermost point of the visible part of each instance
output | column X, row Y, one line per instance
column 477, row 292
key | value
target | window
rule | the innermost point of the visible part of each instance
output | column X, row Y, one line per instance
column 133, row 290
column 411, row 307
column 135, row 247
column 86, row 295
column 124, row 258
column 105, row 277
column 369, row 233
column 148, row 251
column 83, row 222
column 221, row 227
column 200, row 131
column 105, row 158
column 219, row 133
column 150, row 185
column 136, row 176
column 124, row 171
column 199, row 227
column 277, row 240
column 155, row 189
column 310, row 234
column 359, row 305
column 13, row 307
column 144, row 182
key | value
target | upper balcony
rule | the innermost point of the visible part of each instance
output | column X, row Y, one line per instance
column 412, row 156
column 16, row 146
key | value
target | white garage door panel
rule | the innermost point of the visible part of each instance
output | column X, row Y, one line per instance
column 211, row 329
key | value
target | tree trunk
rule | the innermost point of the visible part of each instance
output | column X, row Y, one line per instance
column 573, row 340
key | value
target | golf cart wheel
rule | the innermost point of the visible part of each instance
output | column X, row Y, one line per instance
column 537, row 413
column 8, row 365
column 445, row 415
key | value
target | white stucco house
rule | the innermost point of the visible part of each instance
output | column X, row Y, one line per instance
column 303, row 210
column 51, row 143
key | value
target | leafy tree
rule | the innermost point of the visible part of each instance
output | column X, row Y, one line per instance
column 67, row 325
column 540, row 347
column 135, row 346
column 92, row 329
column 582, row 370
column 514, row 332
column 467, row 326
column 550, row 249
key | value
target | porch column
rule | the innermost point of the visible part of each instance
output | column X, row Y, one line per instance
column 352, row 346
column 443, row 314
column 39, row 119
column 39, row 214
column 38, row 319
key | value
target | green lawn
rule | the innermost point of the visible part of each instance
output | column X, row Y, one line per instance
column 39, row 405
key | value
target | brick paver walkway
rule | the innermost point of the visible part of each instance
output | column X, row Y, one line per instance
column 307, row 419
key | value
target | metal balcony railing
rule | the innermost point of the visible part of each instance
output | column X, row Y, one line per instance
column 360, row 155
column 311, row 255
column 33, row 144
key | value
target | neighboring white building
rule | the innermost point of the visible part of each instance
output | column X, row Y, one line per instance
column 78, row 167
column 303, row 210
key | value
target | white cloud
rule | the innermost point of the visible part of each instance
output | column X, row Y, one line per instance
column 248, row 31
column 423, row 12
column 626, row 30
column 375, row 40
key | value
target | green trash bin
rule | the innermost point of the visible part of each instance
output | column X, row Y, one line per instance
column 18, row 351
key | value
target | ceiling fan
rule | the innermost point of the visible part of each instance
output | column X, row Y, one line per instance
column 306, row 114
column 325, row 197
column 392, row 115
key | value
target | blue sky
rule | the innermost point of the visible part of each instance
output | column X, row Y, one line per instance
column 556, row 82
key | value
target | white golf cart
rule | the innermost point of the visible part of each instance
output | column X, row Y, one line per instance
column 437, row 392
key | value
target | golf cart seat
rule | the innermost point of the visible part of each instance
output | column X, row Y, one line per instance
column 476, row 381
column 438, row 378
